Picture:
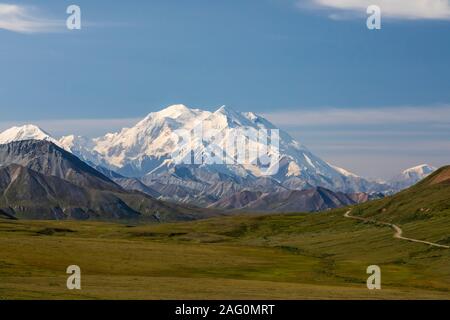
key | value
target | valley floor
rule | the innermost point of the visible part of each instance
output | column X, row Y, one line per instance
column 301, row 256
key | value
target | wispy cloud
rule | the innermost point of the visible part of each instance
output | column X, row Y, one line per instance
column 25, row 19
column 398, row 9
column 363, row 116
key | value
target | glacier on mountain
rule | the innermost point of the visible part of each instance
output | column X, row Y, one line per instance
column 151, row 151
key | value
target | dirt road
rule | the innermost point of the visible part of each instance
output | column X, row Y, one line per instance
column 398, row 231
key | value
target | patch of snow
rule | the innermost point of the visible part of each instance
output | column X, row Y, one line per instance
column 345, row 172
column 309, row 161
column 293, row 169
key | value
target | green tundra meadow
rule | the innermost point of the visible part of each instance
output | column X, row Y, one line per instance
column 247, row 256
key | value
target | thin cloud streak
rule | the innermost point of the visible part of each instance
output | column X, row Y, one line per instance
column 24, row 19
column 398, row 9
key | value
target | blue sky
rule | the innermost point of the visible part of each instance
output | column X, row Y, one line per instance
column 371, row 101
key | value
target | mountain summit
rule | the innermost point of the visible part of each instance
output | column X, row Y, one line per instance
column 150, row 143
column 26, row 132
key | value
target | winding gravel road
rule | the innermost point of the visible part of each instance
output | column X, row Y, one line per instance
column 398, row 231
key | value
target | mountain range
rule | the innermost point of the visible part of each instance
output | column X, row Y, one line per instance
column 40, row 180
column 146, row 151
column 148, row 158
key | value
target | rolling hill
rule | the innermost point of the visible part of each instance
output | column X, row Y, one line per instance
column 430, row 198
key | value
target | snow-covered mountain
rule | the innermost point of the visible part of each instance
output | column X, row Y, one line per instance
column 151, row 149
column 411, row 176
column 153, row 152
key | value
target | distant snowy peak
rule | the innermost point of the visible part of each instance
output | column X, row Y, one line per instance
column 420, row 171
column 411, row 176
column 26, row 132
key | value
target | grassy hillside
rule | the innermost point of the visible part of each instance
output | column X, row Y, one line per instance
column 297, row 256
column 290, row 257
column 423, row 210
